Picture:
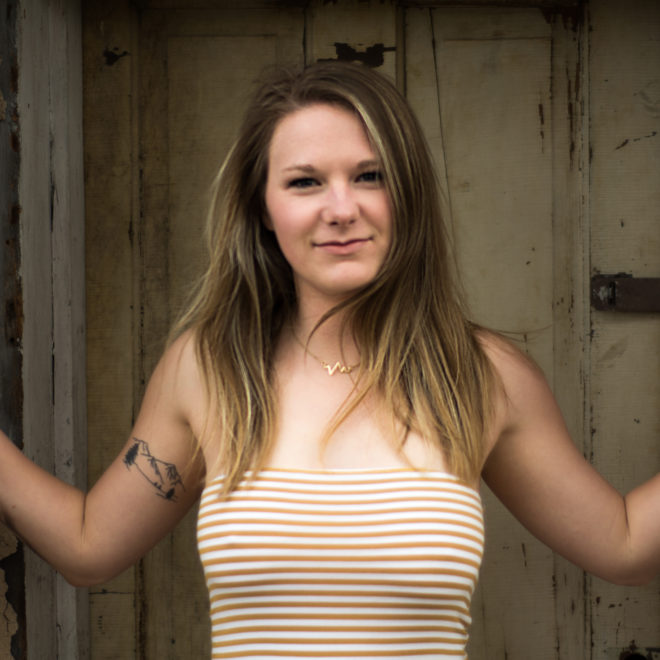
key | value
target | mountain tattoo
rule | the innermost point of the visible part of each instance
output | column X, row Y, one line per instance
column 163, row 476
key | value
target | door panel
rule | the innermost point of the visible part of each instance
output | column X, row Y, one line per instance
column 596, row 202
column 501, row 94
column 206, row 76
column 110, row 191
column 195, row 70
column 625, row 237
column 481, row 81
column 177, row 80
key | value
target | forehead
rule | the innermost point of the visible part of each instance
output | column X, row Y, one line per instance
column 318, row 129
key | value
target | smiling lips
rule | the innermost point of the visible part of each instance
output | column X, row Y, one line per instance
column 342, row 247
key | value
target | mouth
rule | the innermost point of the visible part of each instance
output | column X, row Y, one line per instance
column 343, row 248
column 341, row 244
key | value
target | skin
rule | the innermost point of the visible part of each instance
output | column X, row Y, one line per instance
column 327, row 203
column 531, row 463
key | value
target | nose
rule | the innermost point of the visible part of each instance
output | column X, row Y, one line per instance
column 341, row 207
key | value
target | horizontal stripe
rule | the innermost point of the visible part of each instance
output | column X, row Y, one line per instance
column 297, row 522
column 256, row 653
column 258, row 630
column 370, row 537
column 336, row 640
column 355, row 497
column 212, row 572
column 242, row 545
column 394, row 619
column 347, row 609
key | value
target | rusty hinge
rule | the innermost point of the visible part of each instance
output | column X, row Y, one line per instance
column 624, row 293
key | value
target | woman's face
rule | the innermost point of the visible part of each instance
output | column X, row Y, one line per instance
column 327, row 202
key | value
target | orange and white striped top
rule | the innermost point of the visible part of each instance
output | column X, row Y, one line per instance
column 378, row 563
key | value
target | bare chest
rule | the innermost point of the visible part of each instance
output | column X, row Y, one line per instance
column 313, row 434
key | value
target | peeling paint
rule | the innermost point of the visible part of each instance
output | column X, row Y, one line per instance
column 12, row 593
column 572, row 16
column 650, row 97
column 616, row 350
column 112, row 56
column 373, row 56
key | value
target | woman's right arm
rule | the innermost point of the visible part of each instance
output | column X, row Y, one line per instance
column 143, row 494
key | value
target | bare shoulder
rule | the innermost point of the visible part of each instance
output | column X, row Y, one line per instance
column 180, row 358
column 177, row 381
column 170, row 408
column 181, row 355
column 523, row 394
column 515, row 369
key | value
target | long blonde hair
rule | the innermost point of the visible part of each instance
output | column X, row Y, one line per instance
column 418, row 350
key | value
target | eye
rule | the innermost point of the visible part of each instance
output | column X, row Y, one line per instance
column 302, row 182
column 371, row 176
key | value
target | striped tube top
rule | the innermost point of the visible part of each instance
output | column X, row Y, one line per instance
column 378, row 563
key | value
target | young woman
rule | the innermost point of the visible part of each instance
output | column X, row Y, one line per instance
column 329, row 401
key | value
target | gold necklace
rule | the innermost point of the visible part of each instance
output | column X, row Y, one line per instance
column 337, row 367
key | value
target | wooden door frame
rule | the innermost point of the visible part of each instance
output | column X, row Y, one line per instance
column 50, row 212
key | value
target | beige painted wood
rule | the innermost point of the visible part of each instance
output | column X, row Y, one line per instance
column 570, row 145
column 176, row 86
column 620, row 369
column 171, row 608
column 52, row 272
column 37, row 287
column 111, row 176
column 208, row 72
column 68, row 250
column 481, row 81
column 625, row 236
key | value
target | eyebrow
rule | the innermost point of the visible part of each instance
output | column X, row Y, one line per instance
column 309, row 168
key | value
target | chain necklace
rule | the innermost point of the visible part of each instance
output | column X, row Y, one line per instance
column 336, row 368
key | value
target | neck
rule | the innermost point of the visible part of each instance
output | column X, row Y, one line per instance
column 328, row 343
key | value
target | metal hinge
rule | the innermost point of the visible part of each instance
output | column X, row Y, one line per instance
column 624, row 293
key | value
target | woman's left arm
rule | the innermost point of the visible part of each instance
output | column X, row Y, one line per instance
column 537, row 472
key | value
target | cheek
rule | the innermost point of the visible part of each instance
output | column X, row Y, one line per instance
column 279, row 220
column 279, row 211
column 290, row 218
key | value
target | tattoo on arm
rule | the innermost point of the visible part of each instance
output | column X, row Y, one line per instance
column 163, row 476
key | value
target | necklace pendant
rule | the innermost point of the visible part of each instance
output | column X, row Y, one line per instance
column 338, row 366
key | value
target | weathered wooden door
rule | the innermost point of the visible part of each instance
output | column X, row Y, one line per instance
column 623, row 374
column 504, row 97
column 493, row 87
column 522, row 116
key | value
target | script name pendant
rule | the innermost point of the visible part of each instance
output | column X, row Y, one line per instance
column 338, row 366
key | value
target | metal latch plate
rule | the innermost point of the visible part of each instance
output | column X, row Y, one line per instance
column 624, row 293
